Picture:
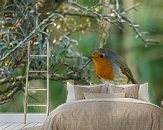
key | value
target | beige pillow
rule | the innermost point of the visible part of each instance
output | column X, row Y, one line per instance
column 76, row 92
column 80, row 90
column 131, row 90
column 103, row 95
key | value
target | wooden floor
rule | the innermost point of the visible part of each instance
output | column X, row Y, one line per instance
column 16, row 121
column 17, row 126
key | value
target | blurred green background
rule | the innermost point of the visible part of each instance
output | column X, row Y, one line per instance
column 145, row 62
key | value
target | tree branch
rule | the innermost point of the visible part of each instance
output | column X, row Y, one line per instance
column 72, row 75
column 10, row 95
column 32, row 34
column 140, row 34
column 116, row 16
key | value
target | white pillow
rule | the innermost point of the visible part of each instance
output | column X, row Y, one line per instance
column 161, row 103
column 104, row 95
column 70, row 93
column 143, row 92
column 73, row 96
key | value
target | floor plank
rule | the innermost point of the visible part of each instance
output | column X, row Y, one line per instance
column 39, row 124
column 1, row 124
column 30, row 125
column 21, row 126
column 12, row 127
column 5, row 126
column 14, row 117
column 18, row 125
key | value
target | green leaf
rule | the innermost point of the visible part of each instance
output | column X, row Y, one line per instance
column 1, row 23
column 5, row 31
column 2, row 43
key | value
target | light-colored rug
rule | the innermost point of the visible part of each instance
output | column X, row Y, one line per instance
column 33, row 128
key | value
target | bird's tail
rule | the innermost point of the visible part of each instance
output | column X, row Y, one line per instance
column 134, row 81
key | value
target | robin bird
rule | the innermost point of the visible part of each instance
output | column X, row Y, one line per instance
column 110, row 66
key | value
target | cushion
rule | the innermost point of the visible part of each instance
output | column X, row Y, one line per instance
column 143, row 92
column 161, row 103
column 76, row 92
column 70, row 92
column 104, row 95
column 131, row 90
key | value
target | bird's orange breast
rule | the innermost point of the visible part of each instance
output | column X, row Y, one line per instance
column 104, row 69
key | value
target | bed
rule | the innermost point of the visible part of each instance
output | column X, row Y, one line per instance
column 92, row 108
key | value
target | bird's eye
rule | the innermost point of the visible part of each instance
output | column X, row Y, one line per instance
column 101, row 56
